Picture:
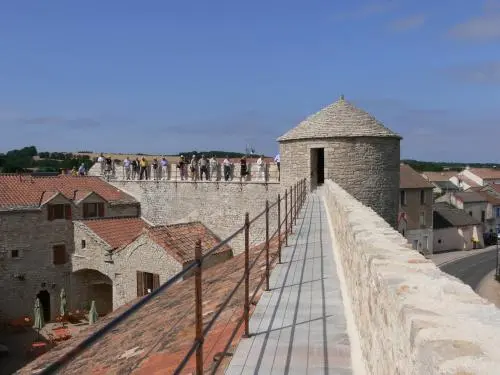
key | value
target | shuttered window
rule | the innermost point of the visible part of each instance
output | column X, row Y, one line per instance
column 59, row 254
column 93, row 210
column 145, row 281
column 59, row 211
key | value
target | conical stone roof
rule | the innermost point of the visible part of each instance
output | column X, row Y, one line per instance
column 340, row 119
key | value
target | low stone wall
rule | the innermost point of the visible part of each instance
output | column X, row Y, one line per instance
column 411, row 317
column 221, row 206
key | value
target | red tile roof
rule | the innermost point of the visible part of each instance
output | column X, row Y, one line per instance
column 486, row 173
column 491, row 198
column 162, row 332
column 117, row 232
column 467, row 180
column 27, row 191
column 439, row 176
column 179, row 239
column 410, row 179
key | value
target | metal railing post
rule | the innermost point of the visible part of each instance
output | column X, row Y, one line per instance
column 295, row 205
column 291, row 210
column 286, row 217
column 199, row 313
column 279, row 229
column 267, row 245
column 246, row 308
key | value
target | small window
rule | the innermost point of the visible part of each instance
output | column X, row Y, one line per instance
column 15, row 254
column 470, row 213
column 93, row 210
column 402, row 197
column 59, row 211
column 59, row 254
column 439, row 241
column 422, row 219
column 498, row 211
column 483, row 216
column 147, row 282
column 84, row 244
column 422, row 196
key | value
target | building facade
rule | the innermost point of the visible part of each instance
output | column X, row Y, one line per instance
column 415, row 218
column 36, row 235
column 349, row 146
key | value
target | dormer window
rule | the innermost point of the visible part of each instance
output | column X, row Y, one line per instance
column 91, row 210
column 58, row 211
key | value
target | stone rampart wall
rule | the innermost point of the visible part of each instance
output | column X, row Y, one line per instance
column 411, row 317
column 221, row 206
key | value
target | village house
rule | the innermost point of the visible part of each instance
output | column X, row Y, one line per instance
column 36, row 235
column 481, row 176
column 441, row 181
column 454, row 229
column 492, row 195
column 472, row 202
column 415, row 209
column 119, row 259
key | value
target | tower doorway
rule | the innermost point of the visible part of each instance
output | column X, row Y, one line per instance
column 44, row 298
column 317, row 167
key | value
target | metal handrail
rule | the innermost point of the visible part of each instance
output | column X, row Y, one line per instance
column 299, row 197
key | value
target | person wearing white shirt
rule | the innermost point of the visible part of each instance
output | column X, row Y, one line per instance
column 261, row 165
column 127, row 168
column 213, row 168
column 101, row 161
column 277, row 161
column 164, row 168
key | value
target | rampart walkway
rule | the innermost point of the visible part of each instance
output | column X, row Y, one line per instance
column 299, row 327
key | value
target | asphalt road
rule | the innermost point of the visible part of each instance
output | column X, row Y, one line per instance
column 471, row 270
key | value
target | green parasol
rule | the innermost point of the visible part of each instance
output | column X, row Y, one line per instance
column 38, row 321
column 93, row 313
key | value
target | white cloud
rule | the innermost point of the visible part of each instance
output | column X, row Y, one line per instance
column 483, row 28
column 480, row 73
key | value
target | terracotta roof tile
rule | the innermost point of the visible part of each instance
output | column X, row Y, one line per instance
column 180, row 239
column 486, row 173
column 410, row 179
column 157, row 336
column 470, row 196
column 117, row 232
column 28, row 191
column 439, row 176
column 492, row 198
column 468, row 181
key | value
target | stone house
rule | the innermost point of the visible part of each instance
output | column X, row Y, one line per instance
column 415, row 209
column 492, row 222
column 349, row 146
column 454, row 229
column 119, row 259
column 36, row 235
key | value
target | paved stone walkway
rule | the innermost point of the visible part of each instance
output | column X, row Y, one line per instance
column 299, row 327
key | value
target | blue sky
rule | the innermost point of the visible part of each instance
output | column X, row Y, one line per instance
column 167, row 76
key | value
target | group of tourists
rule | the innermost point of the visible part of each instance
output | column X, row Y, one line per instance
column 202, row 168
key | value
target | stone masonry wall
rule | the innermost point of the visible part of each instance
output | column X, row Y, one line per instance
column 221, row 206
column 411, row 317
column 367, row 167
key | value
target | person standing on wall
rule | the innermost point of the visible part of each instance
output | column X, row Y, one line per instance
column 192, row 166
column 126, row 168
column 277, row 161
column 243, row 168
column 164, row 168
column 227, row 168
column 213, row 168
column 144, row 169
column 204, row 167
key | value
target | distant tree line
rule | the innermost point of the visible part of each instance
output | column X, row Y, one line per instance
column 23, row 160
column 439, row 166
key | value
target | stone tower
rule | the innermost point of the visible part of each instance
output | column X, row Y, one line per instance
column 349, row 146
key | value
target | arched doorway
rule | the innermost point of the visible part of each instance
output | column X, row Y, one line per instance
column 91, row 285
column 44, row 298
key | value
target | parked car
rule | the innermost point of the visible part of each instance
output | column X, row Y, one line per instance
column 490, row 238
